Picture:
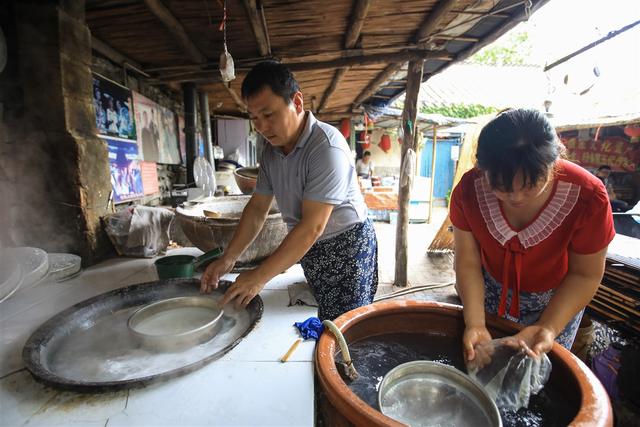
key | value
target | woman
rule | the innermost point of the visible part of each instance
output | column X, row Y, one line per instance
column 531, row 232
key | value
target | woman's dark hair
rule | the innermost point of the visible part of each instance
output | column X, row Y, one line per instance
column 366, row 153
column 518, row 139
column 273, row 74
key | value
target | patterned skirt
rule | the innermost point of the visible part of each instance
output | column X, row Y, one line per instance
column 532, row 304
column 342, row 271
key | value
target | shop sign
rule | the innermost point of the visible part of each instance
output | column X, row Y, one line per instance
column 616, row 152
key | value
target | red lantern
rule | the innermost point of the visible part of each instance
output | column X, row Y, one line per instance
column 345, row 127
column 385, row 143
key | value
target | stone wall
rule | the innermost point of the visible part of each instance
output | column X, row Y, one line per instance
column 54, row 172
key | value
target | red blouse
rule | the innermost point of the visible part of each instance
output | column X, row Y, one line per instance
column 577, row 217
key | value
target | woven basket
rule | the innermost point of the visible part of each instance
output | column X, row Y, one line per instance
column 208, row 233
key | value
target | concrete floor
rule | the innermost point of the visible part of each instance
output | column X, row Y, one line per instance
column 423, row 269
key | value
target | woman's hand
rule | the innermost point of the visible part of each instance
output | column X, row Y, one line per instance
column 474, row 335
column 535, row 340
column 214, row 272
column 244, row 289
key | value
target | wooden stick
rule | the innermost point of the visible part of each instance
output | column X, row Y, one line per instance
column 293, row 347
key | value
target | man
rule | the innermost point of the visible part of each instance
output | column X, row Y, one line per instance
column 604, row 172
column 308, row 168
column 364, row 166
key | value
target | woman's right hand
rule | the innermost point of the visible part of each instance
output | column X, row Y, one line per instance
column 473, row 336
column 214, row 272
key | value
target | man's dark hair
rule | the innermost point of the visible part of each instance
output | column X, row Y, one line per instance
column 366, row 153
column 517, row 139
column 273, row 74
column 604, row 168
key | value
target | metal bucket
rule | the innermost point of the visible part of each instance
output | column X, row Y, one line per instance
column 176, row 323
column 425, row 393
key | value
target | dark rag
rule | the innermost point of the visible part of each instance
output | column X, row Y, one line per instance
column 310, row 328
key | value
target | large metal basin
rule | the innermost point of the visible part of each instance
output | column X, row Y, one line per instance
column 207, row 233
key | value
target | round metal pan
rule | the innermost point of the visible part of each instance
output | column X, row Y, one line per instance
column 89, row 348
column 176, row 323
column 426, row 393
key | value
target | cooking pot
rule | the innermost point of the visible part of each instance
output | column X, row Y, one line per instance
column 182, row 266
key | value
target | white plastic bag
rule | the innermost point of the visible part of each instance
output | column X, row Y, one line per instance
column 227, row 69
column 508, row 374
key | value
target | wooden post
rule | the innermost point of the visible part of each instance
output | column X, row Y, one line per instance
column 433, row 172
column 409, row 115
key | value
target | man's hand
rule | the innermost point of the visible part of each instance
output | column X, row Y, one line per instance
column 244, row 289
column 214, row 272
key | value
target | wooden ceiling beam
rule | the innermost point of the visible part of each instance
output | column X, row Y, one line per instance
column 375, row 84
column 515, row 20
column 376, row 58
column 353, row 34
column 380, row 58
column 428, row 26
column 434, row 19
column 456, row 38
column 115, row 56
column 356, row 23
column 238, row 100
column 259, row 26
column 340, row 72
column 176, row 29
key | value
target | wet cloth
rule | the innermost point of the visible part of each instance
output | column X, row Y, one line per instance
column 342, row 271
column 532, row 304
column 310, row 328
column 577, row 218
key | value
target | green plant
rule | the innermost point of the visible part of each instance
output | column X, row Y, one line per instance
column 461, row 111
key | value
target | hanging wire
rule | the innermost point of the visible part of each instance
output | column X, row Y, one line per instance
column 206, row 6
column 223, row 24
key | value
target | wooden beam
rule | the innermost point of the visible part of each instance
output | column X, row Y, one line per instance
column 409, row 114
column 377, row 58
column 428, row 26
column 238, row 100
column 434, row 19
column 478, row 12
column 515, row 20
column 334, row 117
column 258, row 25
column 385, row 75
column 353, row 34
column 340, row 72
column 456, row 38
column 115, row 56
column 177, row 30
column 356, row 23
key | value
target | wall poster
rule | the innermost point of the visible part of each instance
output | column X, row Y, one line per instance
column 113, row 104
column 126, row 176
column 157, row 131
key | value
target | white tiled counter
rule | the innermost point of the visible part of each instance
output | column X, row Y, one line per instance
column 246, row 387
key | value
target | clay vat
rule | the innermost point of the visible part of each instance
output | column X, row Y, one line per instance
column 208, row 233
column 581, row 391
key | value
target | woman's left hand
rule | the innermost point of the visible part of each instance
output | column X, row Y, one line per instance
column 535, row 340
column 244, row 289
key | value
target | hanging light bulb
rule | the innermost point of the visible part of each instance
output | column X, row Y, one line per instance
column 227, row 69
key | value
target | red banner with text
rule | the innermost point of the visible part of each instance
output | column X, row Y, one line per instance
column 616, row 152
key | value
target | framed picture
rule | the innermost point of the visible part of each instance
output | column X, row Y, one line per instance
column 126, row 176
column 113, row 104
column 157, row 131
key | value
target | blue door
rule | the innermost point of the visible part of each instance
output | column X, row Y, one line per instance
column 445, row 167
